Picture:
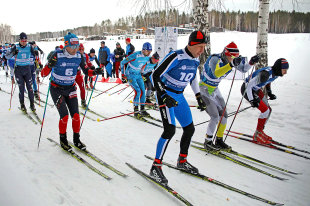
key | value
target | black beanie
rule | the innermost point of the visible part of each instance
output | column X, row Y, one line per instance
column 92, row 50
column 197, row 37
column 279, row 65
column 23, row 35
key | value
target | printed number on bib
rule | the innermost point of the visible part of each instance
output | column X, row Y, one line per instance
column 69, row 72
column 186, row 77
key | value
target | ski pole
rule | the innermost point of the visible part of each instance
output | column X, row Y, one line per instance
column 232, row 82
column 119, row 90
column 89, row 101
column 239, row 106
column 106, row 90
column 100, row 120
column 122, row 90
column 127, row 95
column 48, row 90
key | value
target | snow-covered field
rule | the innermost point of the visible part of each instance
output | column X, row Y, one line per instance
column 49, row 176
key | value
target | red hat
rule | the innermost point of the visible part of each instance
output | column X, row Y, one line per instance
column 128, row 39
column 197, row 37
column 61, row 46
column 81, row 47
column 231, row 49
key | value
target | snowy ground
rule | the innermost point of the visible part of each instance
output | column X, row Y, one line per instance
column 49, row 176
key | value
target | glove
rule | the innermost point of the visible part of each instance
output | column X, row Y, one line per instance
column 36, row 52
column 201, row 104
column 15, row 52
column 52, row 62
column 169, row 101
column 92, row 67
column 98, row 71
column 124, row 79
column 271, row 96
column 255, row 102
column 144, row 78
column 254, row 59
column 236, row 61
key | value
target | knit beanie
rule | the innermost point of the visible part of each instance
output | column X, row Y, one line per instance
column 197, row 37
column 231, row 49
column 71, row 39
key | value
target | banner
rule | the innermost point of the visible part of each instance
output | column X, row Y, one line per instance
column 166, row 40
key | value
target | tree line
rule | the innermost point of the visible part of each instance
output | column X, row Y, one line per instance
column 279, row 22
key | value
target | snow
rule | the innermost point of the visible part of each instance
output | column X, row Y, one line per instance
column 48, row 176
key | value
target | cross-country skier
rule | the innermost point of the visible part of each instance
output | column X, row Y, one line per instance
column 92, row 57
column 216, row 68
column 119, row 54
column 146, row 73
column 23, row 50
column 129, row 47
column 133, row 74
column 104, row 57
column 251, row 88
column 170, row 78
column 64, row 67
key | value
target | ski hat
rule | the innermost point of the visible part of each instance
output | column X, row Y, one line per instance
column 61, row 46
column 231, row 49
column 102, row 42
column 117, row 43
column 155, row 55
column 81, row 47
column 71, row 39
column 197, row 37
column 92, row 51
column 127, row 39
column 22, row 35
column 280, row 64
column 147, row 46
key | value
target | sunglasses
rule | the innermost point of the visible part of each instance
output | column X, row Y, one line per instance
column 74, row 46
column 155, row 60
column 23, row 40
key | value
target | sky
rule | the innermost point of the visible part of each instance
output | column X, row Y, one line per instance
column 34, row 16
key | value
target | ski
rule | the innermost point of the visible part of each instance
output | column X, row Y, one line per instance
column 144, row 120
column 269, row 146
column 97, row 159
column 211, row 180
column 92, row 111
column 165, row 187
column 274, row 142
column 80, row 159
column 226, row 157
column 28, row 116
column 253, row 159
column 88, row 117
column 37, row 117
column 4, row 91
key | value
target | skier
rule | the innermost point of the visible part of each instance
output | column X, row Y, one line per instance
column 65, row 65
column 104, row 57
column 92, row 57
column 170, row 78
column 133, row 74
column 146, row 73
column 5, row 50
column 216, row 68
column 22, row 72
column 129, row 47
column 119, row 54
column 33, row 75
column 251, row 88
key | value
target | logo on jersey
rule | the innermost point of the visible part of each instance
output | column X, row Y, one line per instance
column 64, row 64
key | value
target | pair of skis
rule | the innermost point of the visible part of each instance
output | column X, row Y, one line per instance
column 92, row 156
column 274, row 144
column 34, row 120
column 200, row 176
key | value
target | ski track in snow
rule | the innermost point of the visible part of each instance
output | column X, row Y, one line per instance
column 48, row 176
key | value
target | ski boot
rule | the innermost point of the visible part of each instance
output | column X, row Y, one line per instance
column 77, row 142
column 156, row 172
column 149, row 103
column 222, row 145
column 260, row 138
column 185, row 165
column 266, row 136
column 143, row 112
column 137, row 113
column 208, row 144
column 22, row 107
column 33, row 109
column 36, row 95
column 6, row 74
column 83, row 103
column 64, row 142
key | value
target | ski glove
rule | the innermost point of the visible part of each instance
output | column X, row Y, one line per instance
column 236, row 61
column 255, row 102
column 254, row 59
column 271, row 96
column 98, row 71
column 124, row 79
column 15, row 52
column 52, row 62
column 201, row 104
column 169, row 101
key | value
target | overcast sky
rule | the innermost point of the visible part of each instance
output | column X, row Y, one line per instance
column 53, row 15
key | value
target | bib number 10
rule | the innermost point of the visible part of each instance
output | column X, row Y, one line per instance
column 69, row 72
column 186, row 77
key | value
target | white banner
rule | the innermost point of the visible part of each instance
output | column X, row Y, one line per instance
column 166, row 39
